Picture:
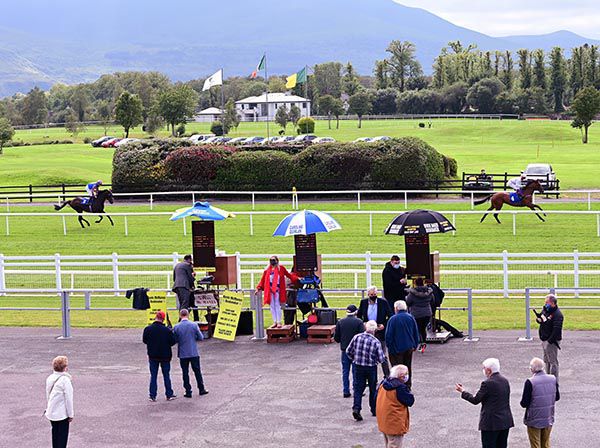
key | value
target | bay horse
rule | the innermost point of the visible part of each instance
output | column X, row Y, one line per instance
column 97, row 206
column 502, row 197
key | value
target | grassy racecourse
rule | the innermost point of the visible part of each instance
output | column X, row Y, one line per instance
column 495, row 145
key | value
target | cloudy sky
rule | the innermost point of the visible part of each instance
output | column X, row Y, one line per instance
column 507, row 17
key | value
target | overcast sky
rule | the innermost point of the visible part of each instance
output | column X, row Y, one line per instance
column 508, row 17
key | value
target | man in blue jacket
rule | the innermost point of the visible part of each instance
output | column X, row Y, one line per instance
column 402, row 338
column 186, row 334
column 159, row 339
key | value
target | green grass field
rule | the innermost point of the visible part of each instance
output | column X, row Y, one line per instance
column 497, row 146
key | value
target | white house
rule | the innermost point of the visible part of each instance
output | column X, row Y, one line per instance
column 254, row 108
column 208, row 115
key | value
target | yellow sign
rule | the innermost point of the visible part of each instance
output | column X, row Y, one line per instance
column 230, row 307
column 158, row 302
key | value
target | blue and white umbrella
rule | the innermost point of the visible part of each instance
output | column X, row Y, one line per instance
column 306, row 222
column 202, row 210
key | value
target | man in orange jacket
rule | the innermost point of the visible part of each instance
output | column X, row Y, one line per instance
column 393, row 400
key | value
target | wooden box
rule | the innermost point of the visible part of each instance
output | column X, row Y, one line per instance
column 320, row 334
column 226, row 271
column 286, row 333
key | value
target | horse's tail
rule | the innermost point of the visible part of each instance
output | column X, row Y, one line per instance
column 60, row 207
column 481, row 201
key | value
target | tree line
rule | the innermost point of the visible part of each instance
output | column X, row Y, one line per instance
column 464, row 80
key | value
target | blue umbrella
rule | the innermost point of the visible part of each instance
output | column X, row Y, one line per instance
column 202, row 210
column 306, row 222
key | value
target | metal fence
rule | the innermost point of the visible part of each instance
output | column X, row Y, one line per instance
column 501, row 274
column 529, row 292
column 252, row 299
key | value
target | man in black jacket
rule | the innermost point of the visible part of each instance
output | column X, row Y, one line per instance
column 551, row 323
column 345, row 330
column 159, row 340
column 495, row 419
column 394, row 280
column 377, row 309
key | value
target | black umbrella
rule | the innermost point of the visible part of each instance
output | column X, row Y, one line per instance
column 419, row 222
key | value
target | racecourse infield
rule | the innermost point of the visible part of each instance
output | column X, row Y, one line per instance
column 282, row 395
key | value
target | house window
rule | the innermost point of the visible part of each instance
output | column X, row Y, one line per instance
column 304, row 105
column 252, row 106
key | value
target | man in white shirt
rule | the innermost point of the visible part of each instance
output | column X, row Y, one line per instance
column 517, row 184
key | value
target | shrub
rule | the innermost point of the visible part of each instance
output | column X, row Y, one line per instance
column 217, row 128
column 450, row 166
column 335, row 165
column 135, row 168
column 408, row 163
column 87, row 140
column 196, row 166
column 262, row 170
column 306, row 125
column 180, row 130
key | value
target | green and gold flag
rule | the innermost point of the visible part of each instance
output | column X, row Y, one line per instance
column 296, row 78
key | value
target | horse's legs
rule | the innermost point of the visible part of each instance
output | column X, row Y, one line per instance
column 540, row 209
column 532, row 207
column 485, row 215
column 99, row 219
column 111, row 221
column 496, row 217
column 82, row 220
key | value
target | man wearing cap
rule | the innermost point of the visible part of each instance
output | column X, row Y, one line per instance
column 186, row 334
column 345, row 330
column 159, row 339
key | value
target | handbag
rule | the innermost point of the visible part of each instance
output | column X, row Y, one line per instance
column 308, row 296
column 312, row 318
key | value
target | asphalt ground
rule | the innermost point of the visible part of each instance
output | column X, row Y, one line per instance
column 274, row 395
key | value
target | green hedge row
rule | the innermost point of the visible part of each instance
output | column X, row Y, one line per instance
column 395, row 164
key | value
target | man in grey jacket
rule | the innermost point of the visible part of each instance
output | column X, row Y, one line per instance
column 186, row 335
column 183, row 282
column 495, row 419
column 540, row 393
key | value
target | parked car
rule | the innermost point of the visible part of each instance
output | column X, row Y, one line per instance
column 236, row 140
column 285, row 139
column 97, row 143
column 200, row 137
column 381, row 138
column 253, row 140
column 222, row 140
column 363, row 140
column 540, row 171
column 324, row 140
column 125, row 141
column 270, row 140
column 111, row 143
column 305, row 138
column 209, row 141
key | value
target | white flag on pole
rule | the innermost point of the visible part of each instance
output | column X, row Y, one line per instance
column 214, row 80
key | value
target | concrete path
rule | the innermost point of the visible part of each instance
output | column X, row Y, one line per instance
column 264, row 395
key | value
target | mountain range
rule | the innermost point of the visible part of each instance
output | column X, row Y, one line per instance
column 73, row 41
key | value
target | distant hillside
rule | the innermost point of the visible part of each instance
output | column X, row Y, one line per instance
column 186, row 39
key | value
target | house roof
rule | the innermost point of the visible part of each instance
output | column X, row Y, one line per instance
column 210, row 111
column 273, row 98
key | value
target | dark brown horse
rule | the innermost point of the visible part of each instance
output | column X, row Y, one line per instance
column 502, row 197
column 97, row 206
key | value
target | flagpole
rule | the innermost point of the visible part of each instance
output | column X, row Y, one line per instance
column 267, row 95
column 222, row 98
column 306, row 87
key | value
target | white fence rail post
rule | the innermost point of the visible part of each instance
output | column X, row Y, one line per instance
column 65, row 305
column 57, row 271
column 2, row 274
column 238, row 281
column 115, row 269
column 369, row 280
column 7, row 227
column 576, row 272
column 64, row 223
column 505, row 273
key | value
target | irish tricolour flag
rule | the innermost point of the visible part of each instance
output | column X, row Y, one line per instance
column 261, row 66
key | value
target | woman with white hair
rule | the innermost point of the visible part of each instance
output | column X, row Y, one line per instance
column 59, row 394
column 495, row 419
column 540, row 394
column 393, row 400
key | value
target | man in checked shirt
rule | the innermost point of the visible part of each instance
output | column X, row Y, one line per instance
column 365, row 352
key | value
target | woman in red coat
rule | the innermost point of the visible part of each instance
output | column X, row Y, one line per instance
column 273, row 285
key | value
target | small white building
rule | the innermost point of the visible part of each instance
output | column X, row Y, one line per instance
column 254, row 108
column 208, row 115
